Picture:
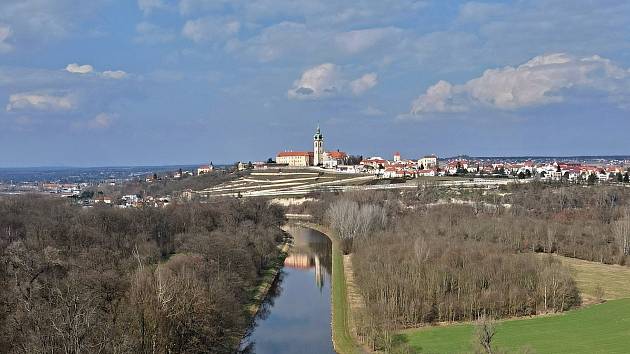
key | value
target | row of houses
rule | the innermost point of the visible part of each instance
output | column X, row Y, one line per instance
column 555, row 171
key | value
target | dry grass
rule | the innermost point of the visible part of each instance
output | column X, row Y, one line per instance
column 613, row 280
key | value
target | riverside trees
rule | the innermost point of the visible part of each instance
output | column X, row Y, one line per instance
column 130, row 281
column 434, row 261
column 350, row 220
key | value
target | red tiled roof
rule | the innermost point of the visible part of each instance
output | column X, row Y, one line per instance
column 337, row 154
column 294, row 153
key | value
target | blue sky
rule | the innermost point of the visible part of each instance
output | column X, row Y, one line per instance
column 127, row 82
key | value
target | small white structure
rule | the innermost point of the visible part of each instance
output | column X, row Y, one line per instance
column 428, row 162
column 205, row 169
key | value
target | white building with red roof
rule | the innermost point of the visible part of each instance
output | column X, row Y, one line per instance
column 295, row 158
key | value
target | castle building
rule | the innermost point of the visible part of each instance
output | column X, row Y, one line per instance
column 295, row 158
column 317, row 157
column 318, row 148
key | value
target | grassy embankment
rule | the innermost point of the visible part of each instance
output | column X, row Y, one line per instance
column 343, row 340
column 270, row 274
column 602, row 328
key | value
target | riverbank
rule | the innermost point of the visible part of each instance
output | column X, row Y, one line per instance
column 269, row 277
column 343, row 340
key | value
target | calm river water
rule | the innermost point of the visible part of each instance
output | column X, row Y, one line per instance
column 296, row 316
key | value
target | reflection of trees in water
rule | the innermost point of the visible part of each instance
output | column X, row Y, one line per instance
column 311, row 243
column 272, row 295
column 247, row 345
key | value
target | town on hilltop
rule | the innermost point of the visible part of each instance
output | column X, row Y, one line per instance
column 573, row 170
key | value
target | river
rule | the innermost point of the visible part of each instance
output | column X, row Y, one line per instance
column 296, row 316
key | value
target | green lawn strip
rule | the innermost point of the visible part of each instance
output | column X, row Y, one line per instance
column 603, row 328
column 344, row 342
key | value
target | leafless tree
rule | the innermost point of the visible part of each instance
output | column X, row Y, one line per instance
column 485, row 330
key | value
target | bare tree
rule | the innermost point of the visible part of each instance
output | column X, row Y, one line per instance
column 621, row 232
column 350, row 220
column 485, row 330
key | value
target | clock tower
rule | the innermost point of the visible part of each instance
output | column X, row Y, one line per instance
column 318, row 148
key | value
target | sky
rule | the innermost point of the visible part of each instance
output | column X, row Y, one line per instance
column 153, row 82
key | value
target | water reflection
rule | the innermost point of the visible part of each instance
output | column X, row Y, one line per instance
column 295, row 317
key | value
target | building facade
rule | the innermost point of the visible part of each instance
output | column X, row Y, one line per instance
column 295, row 158
column 428, row 162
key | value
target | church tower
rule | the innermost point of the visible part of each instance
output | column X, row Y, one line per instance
column 318, row 148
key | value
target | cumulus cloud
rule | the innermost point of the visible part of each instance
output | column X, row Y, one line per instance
column 116, row 74
column 40, row 101
column 326, row 80
column 210, row 29
column 317, row 82
column 364, row 83
column 5, row 33
column 101, row 121
column 543, row 80
column 79, row 69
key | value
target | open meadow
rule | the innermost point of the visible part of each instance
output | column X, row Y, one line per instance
column 592, row 329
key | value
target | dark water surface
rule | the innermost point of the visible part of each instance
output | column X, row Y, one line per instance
column 296, row 318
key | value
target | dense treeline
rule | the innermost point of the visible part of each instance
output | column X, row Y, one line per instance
column 412, row 274
column 453, row 254
column 130, row 281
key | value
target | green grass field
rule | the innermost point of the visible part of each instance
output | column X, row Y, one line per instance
column 603, row 328
column 344, row 342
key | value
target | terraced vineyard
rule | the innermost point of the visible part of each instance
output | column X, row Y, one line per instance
column 279, row 182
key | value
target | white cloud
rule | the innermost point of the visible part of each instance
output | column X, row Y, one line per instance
column 438, row 98
column 317, row 82
column 325, row 80
column 101, row 121
column 147, row 6
column 5, row 33
column 40, row 101
column 210, row 29
column 79, row 69
column 86, row 69
column 542, row 80
column 41, row 20
column 353, row 42
column 364, row 83
column 116, row 74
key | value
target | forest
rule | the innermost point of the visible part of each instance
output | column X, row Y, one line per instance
column 89, row 280
column 459, row 254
